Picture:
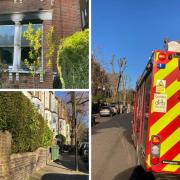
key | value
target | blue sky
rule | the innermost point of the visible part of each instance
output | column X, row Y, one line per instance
column 64, row 96
column 132, row 29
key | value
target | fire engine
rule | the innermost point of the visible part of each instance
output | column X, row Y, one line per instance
column 156, row 122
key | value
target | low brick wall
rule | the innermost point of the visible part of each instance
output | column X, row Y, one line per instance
column 19, row 166
column 5, row 151
column 23, row 165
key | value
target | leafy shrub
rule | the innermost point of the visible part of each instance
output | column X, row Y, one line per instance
column 73, row 60
column 28, row 128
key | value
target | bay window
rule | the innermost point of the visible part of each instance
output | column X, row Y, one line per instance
column 14, row 48
column 6, row 44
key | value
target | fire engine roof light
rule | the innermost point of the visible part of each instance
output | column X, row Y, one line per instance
column 162, row 56
column 155, row 140
column 155, row 160
column 161, row 66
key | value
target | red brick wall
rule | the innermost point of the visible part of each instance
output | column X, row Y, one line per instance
column 5, row 150
column 66, row 21
column 23, row 165
column 19, row 166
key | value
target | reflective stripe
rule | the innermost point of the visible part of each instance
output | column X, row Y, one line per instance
column 172, row 168
column 164, row 120
column 162, row 73
column 170, row 142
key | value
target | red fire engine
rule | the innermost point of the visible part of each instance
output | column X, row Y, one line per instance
column 156, row 123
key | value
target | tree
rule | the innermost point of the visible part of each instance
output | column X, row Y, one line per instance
column 73, row 60
column 33, row 62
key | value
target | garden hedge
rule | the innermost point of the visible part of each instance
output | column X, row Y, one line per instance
column 73, row 60
column 28, row 128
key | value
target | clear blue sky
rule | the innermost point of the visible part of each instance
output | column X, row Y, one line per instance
column 133, row 29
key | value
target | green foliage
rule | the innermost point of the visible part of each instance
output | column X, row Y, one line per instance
column 62, row 137
column 98, row 97
column 33, row 62
column 73, row 60
column 28, row 128
column 51, row 46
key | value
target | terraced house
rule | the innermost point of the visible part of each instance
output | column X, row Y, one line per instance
column 15, row 15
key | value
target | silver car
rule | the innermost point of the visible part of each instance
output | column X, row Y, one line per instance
column 105, row 111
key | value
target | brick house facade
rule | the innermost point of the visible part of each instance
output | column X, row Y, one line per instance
column 15, row 15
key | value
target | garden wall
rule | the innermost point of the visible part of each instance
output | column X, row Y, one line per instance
column 19, row 166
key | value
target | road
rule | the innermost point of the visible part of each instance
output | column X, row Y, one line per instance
column 113, row 155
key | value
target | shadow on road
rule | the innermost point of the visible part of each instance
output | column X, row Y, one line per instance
column 122, row 120
column 125, row 175
column 135, row 173
column 67, row 161
column 52, row 176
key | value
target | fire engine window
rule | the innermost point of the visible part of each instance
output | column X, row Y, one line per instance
column 146, row 108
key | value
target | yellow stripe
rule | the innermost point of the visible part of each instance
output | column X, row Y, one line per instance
column 172, row 168
column 165, row 120
column 173, row 88
column 170, row 91
column 148, row 161
column 170, row 142
column 162, row 73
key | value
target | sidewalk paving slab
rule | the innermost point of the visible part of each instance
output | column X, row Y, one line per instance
column 64, row 169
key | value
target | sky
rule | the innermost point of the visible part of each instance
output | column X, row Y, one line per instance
column 132, row 29
column 66, row 98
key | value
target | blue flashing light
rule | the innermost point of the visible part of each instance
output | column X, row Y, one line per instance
column 161, row 66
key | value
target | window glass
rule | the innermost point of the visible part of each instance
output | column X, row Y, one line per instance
column 6, row 55
column 6, row 35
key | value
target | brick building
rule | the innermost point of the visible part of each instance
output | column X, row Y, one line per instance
column 15, row 15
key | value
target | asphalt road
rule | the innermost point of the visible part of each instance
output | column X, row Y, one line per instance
column 113, row 155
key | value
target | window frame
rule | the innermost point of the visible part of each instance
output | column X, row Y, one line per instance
column 20, row 69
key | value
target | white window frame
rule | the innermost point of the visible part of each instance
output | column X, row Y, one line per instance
column 18, row 68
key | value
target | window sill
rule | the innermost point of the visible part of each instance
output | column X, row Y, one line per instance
column 21, row 71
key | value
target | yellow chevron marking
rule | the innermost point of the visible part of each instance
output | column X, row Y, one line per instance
column 170, row 90
column 148, row 160
column 172, row 168
column 162, row 73
column 164, row 120
column 170, row 142
column 173, row 88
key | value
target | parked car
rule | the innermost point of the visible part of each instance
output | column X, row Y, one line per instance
column 86, row 153
column 82, row 146
column 114, row 109
column 117, row 107
column 105, row 111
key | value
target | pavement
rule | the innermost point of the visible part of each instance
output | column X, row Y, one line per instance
column 64, row 169
column 113, row 154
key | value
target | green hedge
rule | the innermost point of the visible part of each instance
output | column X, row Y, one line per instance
column 73, row 60
column 28, row 128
